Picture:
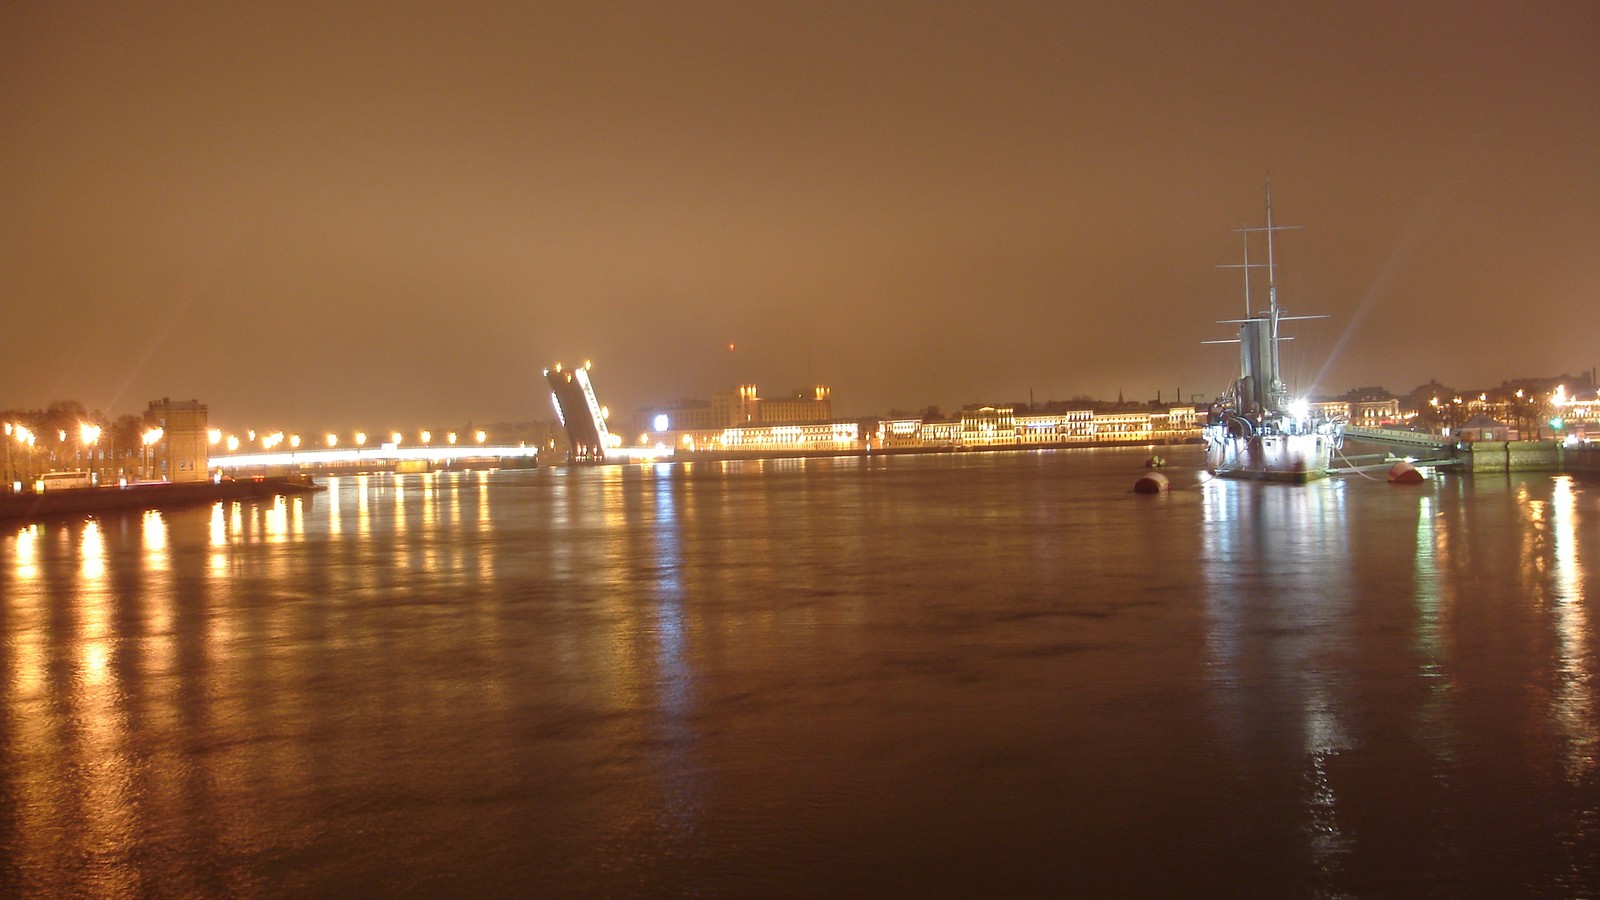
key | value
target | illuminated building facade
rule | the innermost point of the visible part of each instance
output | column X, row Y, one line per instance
column 182, row 451
column 738, row 408
column 1367, row 407
column 977, row 428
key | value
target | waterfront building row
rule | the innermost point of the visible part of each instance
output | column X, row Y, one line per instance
column 66, row 446
column 742, row 407
column 984, row 427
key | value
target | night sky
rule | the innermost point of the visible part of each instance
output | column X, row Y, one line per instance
column 379, row 215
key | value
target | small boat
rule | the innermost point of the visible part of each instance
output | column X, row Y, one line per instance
column 1258, row 429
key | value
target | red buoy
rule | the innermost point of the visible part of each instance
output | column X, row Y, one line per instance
column 1403, row 472
column 1152, row 483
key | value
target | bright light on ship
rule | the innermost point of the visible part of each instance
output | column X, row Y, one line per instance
column 1300, row 409
column 662, row 422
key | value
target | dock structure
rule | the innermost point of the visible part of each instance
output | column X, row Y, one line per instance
column 1398, row 438
column 1481, row 457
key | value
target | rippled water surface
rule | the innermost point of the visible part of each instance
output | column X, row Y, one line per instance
column 981, row 674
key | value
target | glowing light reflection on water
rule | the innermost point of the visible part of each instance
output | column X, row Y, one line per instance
column 955, row 674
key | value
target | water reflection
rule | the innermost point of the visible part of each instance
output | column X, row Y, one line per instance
column 1574, row 703
column 25, row 552
column 642, row 675
column 1277, row 569
column 363, row 513
column 92, row 552
column 674, row 671
column 335, row 502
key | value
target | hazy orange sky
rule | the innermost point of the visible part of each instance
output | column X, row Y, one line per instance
column 343, row 214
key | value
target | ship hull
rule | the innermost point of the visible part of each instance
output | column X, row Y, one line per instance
column 1291, row 458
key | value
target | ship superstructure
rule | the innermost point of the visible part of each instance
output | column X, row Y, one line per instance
column 1258, row 428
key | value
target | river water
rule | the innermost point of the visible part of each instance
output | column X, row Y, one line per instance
column 973, row 674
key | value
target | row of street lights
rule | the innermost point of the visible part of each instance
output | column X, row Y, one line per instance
column 275, row 439
column 1524, row 407
column 20, row 438
column 24, row 447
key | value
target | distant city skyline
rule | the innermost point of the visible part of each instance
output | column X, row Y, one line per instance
column 401, row 213
column 448, row 429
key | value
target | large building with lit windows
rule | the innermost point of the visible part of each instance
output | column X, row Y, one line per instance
column 977, row 428
column 1368, row 407
column 738, row 408
column 743, row 422
column 182, row 449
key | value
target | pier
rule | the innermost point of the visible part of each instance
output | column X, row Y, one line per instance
column 1480, row 457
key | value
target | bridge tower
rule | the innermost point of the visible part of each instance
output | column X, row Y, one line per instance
column 579, row 412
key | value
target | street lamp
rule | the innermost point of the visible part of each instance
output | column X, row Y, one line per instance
column 481, row 436
column 361, row 439
column 88, row 436
column 149, row 439
column 24, row 435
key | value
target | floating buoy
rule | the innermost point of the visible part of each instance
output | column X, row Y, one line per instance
column 1403, row 472
column 1152, row 483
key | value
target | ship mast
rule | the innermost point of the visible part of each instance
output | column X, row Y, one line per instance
column 1260, row 391
column 1278, row 391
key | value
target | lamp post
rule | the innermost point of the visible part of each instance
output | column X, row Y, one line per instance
column 24, row 435
column 88, row 437
column 14, row 432
column 148, row 440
